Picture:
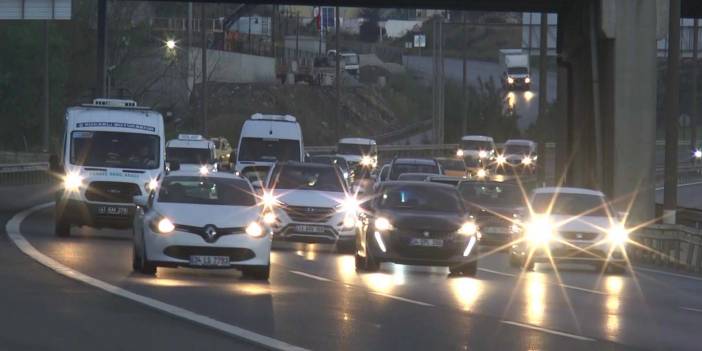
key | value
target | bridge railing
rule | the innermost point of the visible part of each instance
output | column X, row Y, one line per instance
column 672, row 245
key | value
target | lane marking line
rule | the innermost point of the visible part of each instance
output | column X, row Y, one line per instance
column 556, row 284
column 311, row 276
column 691, row 309
column 549, row 331
column 420, row 303
column 13, row 232
column 680, row 185
column 668, row 273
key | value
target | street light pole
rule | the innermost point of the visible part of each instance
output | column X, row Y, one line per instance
column 543, row 55
column 203, row 97
column 101, row 47
column 693, row 118
column 672, row 112
column 45, row 123
column 337, row 122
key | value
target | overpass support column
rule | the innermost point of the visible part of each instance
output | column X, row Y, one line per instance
column 625, row 83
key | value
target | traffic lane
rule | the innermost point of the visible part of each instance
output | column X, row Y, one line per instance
column 688, row 195
column 625, row 309
column 44, row 311
column 294, row 308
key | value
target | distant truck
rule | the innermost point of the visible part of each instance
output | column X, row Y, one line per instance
column 515, row 69
column 350, row 62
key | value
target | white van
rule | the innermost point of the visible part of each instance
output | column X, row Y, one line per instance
column 193, row 152
column 265, row 140
column 112, row 151
column 358, row 151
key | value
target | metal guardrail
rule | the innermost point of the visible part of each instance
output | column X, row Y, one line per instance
column 25, row 174
column 671, row 245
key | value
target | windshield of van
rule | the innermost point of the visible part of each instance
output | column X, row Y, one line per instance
column 350, row 60
column 476, row 145
column 115, row 149
column 353, row 149
column 513, row 149
column 517, row 70
column 269, row 150
column 186, row 155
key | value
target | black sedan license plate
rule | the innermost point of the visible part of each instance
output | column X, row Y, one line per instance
column 426, row 242
column 113, row 211
column 209, row 261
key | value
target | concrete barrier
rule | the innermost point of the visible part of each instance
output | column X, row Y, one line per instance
column 670, row 245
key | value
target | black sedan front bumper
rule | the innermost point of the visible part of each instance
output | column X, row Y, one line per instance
column 399, row 248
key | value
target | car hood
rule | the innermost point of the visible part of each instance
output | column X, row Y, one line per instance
column 586, row 224
column 201, row 215
column 311, row 198
column 480, row 210
column 423, row 220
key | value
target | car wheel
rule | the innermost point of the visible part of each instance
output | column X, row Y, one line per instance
column 360, row 262
column 146, row 267
column 257, row 272
column 468, row 269
column 371, row 264
column 136, row 260
column 62, row 228
column 346, row 247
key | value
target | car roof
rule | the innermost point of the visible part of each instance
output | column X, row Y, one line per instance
column 410, row 174
column 302, row 164
column 415, row 161
column 520, row 142
column 360, row 141
column 567, row 190
column 223, row 175
column 415, row 183
column 476, row 138
column 487, row 182
column 443, row 177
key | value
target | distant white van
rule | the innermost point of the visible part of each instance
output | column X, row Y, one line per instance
column 193, row 152
column 358, row 151
column 112, row 151
column 265, row 140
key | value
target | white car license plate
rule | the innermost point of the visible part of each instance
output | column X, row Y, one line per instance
column 302, row 228
column 426, row 242
column 112, row 210
column 209, row 261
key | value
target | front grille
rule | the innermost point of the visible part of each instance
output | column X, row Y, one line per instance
column 184, row 252
column 488, row 219
column 115, row 192
column 204, row 233
column 309, row 214
column 578, row 236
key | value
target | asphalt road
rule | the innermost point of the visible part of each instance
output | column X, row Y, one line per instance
column 315, row 299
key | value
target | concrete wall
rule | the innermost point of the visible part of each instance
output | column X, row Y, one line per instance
column 233, row 67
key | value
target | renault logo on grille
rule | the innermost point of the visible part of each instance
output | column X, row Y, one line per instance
column 114, row 191
column 210, row 231
column 309, row 210
column 578, row 235
column 426, row 234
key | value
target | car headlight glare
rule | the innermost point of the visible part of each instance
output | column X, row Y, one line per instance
column 468, row 229
column 269, row 217
column 483, row 154
column 366, row 161
column 73, row 181
column 269, row 200
column 151, row 185
column 510, row 80
column 526, row 160
column 539, row 230
column 165, row 226
column 350, row 205
column 459, row 153
column 698, row 154
column 618, row 234
column 527, row 80
column 382, row 224
column 254, row 230
column 349, row 221
column 500, row 159
column 204, row 170
column 482, row 173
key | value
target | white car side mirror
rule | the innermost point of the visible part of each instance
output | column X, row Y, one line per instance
column 141, row 201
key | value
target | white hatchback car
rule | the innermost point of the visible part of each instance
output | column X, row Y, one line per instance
column 312, row 205
column 570, row 225
column 201, row 221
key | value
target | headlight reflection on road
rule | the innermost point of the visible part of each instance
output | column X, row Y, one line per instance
column 613, row 286
column 466, row 291
column 346, row 267
column 535, row 295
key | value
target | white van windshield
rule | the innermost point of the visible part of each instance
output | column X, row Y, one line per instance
column 353, row 149
column 189, row 155
column 115, row 149
column 269, row 150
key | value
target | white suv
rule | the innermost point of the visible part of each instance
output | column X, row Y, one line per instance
column 312, row 205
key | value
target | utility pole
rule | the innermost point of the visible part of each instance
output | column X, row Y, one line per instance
column 693, row 118
column 543, row 56
column 441, row 82
column 203, row 98
column 435, row 82
column 672, row 112
column 464, row 79
column 297, row 37
column 45, row 97
column 101, row 47
column 337, row 122
column 189, row 66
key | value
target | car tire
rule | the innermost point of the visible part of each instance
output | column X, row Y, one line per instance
column 370, row 263
column 467, row 269
column 257, row 272
column 346, row 247
column 360, row 262
column 136, row 260
column 62, row 227
column 146, row 267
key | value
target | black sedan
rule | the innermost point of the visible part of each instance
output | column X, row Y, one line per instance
column 417, row 223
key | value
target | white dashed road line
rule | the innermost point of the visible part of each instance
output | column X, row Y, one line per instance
column 684, row 276
column 549, row 331
column 13, row 232
column 311, row 276
column 497, row 272
column 420, row 303
column 691, row 309
column 561, row 285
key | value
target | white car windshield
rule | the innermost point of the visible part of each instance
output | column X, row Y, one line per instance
column 307, row 178
column 570, row 204
column 206, row 191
